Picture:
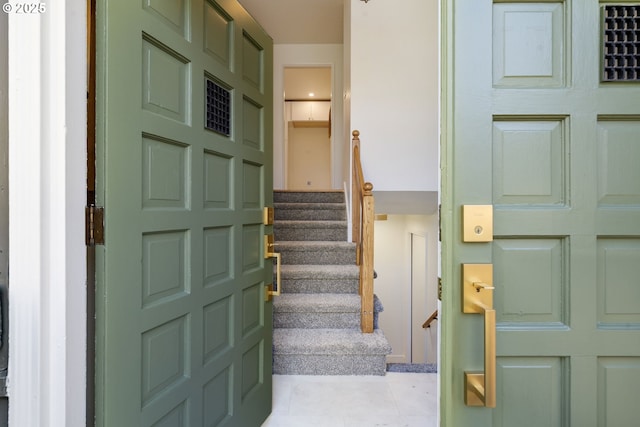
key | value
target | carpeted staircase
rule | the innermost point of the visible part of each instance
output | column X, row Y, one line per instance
column 316, row 320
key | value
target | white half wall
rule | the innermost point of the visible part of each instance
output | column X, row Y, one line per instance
column 394, row 92
column 307, row 55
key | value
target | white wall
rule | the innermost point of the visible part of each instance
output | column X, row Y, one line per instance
column 392, row 259
column 394, row 91
column 316, row 55
column 346, row 94
column 4, row 152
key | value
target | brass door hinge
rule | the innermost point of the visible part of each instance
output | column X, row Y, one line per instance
column 94, row 225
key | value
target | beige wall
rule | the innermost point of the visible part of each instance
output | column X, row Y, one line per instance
column 309, row 158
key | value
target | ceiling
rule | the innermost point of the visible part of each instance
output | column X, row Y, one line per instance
column 301, row 82
column 299, row 21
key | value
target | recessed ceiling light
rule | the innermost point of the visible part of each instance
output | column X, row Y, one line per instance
column 311, row 94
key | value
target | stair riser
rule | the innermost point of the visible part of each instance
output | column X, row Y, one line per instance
column 337, row 256
column 336, row 234
column 317, row 320
column 310, row 215
column 309, row 286
column 302, row 364
column 321, row 321
column 308, row 197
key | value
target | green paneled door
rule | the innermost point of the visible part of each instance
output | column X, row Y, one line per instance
column 532, row 129
column 184, row 170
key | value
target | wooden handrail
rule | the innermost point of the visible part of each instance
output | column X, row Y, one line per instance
column 362, row 210
column 427, row 323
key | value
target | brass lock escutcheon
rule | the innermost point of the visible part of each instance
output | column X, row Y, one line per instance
column 477, row 223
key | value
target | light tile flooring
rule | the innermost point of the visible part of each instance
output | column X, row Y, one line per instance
column 393, row 400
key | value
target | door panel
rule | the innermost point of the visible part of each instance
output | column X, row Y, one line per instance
column 530, row 389
column 184, row 171
column 535, row 270
column 537, row 134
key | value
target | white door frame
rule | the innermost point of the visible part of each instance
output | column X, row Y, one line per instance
column 47, row 193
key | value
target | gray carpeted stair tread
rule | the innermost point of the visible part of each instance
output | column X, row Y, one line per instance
column 331, row 278
column 335, row 231
column 329, row 341
column 297, row 245
column 310, row 212
column 316, row 252
column 311, row 271
column 317, row 303
column 309, row 205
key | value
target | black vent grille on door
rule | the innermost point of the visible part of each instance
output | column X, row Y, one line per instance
column 218, row 107
column 621, row 43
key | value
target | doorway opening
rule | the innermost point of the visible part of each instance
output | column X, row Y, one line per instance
column 307, row 125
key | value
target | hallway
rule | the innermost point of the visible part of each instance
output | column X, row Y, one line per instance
column 393, row 400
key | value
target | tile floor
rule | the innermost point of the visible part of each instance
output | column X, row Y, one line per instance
column 393, row 400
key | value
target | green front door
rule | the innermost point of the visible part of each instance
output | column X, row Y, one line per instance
column 533, row 129
column 184, row 112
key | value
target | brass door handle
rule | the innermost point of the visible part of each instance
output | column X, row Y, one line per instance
column 269, row 253
column 477, row 291
column 480, row 387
